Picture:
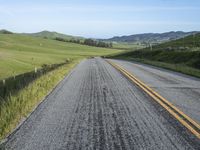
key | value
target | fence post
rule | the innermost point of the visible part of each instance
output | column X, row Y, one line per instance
column 4, row 82
column 35, row 69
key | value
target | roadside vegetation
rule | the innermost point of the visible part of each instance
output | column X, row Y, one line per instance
column 182, row 55
column 18, row 106
column 20, row 56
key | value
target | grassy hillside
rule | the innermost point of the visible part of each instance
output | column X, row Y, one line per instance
column 56, row 35
column 52, row 35
column 180, row 55
column 5, row 32
column 20, row 53
column 151, row 37
column 127, row 46
column 191, row 42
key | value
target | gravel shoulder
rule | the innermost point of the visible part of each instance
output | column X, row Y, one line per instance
column 97, row 108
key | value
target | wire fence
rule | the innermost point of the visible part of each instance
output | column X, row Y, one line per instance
column 13, row 84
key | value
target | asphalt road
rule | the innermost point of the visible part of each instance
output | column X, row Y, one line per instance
column 97, row 108
column 181, row 90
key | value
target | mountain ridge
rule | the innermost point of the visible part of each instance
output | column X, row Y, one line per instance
column 151, row 37
column 143, row 38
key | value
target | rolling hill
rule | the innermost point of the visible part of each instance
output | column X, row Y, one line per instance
column 22, row 53
column 151, row 37
column 131, row 42
column 52, row 35
column 181, row 55
column 3, row 31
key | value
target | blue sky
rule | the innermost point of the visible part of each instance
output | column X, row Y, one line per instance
column 100, row 19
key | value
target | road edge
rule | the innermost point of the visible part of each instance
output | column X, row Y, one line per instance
column 3, row 141
column 186, row 121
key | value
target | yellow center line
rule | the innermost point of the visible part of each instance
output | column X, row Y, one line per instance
column 185, row 120
column 164, row 100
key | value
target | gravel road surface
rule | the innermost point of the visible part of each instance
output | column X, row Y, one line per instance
column 97, row 108
column 182, row 90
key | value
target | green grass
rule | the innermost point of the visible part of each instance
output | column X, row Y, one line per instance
column 182, row 55
column 18, row 106
column 53, row 35
column 174, row 67
column 188, row 43
column 19, row 53
column 188, row 58
column 127, row 46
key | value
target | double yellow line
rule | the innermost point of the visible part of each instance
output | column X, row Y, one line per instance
column 185, row 120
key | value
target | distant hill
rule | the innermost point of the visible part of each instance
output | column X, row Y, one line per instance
column 191, row 42
column 151, row 37
column 52, row 35
column 181, row 55
column 5, row 32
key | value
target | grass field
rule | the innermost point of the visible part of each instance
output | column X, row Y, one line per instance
column 18, row 106
column 20, row 53
column 127, row 46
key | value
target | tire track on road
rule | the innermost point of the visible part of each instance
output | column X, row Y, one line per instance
column 102, row 110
